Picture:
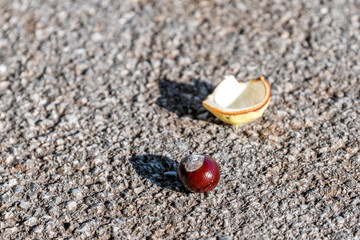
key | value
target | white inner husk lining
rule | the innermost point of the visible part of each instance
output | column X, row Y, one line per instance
column 230, row 94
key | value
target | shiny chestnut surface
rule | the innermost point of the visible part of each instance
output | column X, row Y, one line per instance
column 199, row 173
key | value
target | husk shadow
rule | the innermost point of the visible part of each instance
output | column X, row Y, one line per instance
column 185, row 99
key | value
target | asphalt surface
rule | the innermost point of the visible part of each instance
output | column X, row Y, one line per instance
column 100, row 100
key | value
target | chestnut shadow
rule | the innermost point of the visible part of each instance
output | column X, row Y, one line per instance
column 155, row 168
column 184, row 98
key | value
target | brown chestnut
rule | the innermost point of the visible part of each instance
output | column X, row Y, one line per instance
column 199, row 173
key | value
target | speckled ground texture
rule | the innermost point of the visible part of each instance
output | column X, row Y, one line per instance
column 100, row 100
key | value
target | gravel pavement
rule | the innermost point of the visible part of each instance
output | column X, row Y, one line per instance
column 100, row 100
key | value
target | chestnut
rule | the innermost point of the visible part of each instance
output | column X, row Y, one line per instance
column 199, row 173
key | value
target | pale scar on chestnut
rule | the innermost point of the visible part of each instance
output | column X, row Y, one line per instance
column 193, row 162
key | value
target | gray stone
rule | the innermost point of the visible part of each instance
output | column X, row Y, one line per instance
column 71, row 205
column 25, row 205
